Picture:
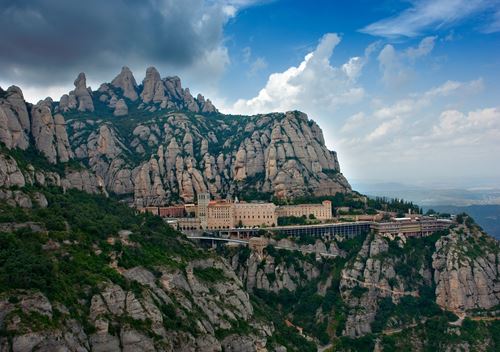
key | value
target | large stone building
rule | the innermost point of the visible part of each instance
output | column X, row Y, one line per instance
column 321, row 211
column 411, row 227
column 225, row 214
column 220, row 215
column 189, row 224
column 254, row 214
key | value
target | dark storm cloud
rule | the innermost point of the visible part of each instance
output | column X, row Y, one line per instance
column 50, row 41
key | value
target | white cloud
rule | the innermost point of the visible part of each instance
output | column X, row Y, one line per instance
column 353, row 122
column 396, row 66
column 428, row 14
column 452, row 87
column 312, row 86
column 385, row 128
column 419, row 130
column 417, row 102
column 470, row 128
column 255, row 65
column 399, row 108
column 353, row 67
column 423, row 49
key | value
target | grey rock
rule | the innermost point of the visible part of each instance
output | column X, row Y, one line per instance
column 152, row 86
column 10, row 174
column 121, row 108
column 126, row 81
column 14, row 120
column 82, row 94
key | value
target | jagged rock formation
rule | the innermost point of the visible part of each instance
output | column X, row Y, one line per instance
column 10, row 174
column 49, row 133
column 467, row 270
column 80, row 98
column 373, row 273
column 281, row 154
column 14, row 119
column 82, row 94
column 126, row 81
column 178, row 145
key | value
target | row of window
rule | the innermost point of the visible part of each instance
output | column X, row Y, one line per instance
column 258, row 217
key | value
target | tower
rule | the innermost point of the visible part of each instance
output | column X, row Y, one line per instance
column 203, row 200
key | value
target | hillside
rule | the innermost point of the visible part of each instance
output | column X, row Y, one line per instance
column 82, row 272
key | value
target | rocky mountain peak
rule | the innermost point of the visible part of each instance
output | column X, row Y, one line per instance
column 172, row 145
column 126, row 81
column 15, row 90
column 81, row 81
column 152, row 86
column 80, row 97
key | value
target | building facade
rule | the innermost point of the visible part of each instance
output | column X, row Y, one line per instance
column 321, row 211
column 408, row 227
column 189, row 224
column 203, row 201
column 254, row 214
column 175, row 211
column 220, row 215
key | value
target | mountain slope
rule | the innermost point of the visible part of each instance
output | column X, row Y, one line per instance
column 82, row 272
column 157, row 144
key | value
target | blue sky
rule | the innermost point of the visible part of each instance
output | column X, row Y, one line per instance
column 405, row 91
column 428, row 111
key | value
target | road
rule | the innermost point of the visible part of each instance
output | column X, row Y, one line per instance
column 370, row 284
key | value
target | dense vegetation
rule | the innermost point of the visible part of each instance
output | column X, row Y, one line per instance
column 68, row 259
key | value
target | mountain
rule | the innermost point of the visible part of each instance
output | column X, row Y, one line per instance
column 155, row 143
column 81, row 270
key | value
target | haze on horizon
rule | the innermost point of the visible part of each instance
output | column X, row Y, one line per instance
column 404, row 91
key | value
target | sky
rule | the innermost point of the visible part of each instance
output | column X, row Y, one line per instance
column 405, row 91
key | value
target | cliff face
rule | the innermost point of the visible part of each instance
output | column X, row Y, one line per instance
column 467, row 270
column 156, row 143
column 413, row 293
column 455, row 271
column 382, row 269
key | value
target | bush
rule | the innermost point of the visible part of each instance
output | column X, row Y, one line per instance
column 212, row 275
column 358, row 291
